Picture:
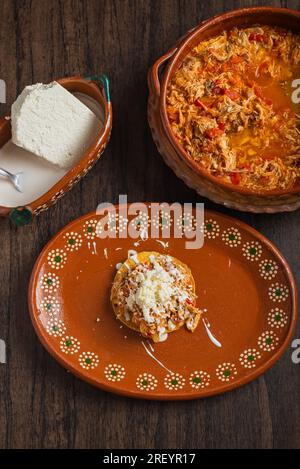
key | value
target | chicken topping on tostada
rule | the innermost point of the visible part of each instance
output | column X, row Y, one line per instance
column 155, row 294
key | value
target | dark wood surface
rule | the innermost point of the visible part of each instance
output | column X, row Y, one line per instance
column 41, row 405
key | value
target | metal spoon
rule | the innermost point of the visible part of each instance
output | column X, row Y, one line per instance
column 16, row 179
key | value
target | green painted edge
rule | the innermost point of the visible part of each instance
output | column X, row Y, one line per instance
column 21, row 216
column 104, row 80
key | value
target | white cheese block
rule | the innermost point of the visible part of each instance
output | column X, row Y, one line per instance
column 50, row 122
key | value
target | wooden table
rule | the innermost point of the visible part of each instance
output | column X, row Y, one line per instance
column 41, row 405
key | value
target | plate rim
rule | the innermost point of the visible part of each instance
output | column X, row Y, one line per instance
column 182, row 396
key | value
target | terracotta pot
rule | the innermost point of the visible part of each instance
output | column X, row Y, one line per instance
column 175, row 156
column 96, row 91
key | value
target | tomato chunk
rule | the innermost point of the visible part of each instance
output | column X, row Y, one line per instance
column 235, row 178
column 256, row 37
column 214, row 132
column 233, row 95
column 200, row 104
column 218, row 90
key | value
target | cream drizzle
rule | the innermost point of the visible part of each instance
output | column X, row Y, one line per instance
column 154, row 358
column 210, row 335
column 132, row 254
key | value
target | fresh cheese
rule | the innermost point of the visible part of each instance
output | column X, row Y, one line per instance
column 155, row 291
column 50, row 122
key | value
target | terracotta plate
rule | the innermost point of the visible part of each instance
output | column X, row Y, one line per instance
column 243, row 283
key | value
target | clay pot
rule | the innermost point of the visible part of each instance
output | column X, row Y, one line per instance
column 207, row 185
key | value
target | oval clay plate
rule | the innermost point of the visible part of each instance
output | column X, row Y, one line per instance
column 243, row 283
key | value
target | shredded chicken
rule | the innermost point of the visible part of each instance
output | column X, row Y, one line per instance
column 230, row 107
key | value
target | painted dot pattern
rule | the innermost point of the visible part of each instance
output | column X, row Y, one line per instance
column 55, row 327
column 186, row 222
column 278, row 292
column 73, row 241
column 162, row 220
column 232, row 237
column 141, row 221
column 268, row 341
column 69, row 345
column 174, row 381
column 114, row 372
column 88, row 360
column 226, row 372
column 211, row 229
column 277, row 318
column 49, row 282
column 199, row 379
column 252, row 250
column 146, row 382
column 50, row 306
column 249, row 357
column 57, row 258
column 89, row 229
column 268, row 269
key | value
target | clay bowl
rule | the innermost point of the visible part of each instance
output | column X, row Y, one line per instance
column 243, row 283
column 175, row 156
column 44, row 183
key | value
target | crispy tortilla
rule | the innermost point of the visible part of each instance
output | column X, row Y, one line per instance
column 119, row 308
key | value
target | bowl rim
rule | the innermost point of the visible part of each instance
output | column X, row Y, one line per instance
column 181, row 50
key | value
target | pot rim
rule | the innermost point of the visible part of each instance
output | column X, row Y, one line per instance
column 182, row 49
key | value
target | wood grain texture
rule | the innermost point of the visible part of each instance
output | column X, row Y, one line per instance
column 41, row 405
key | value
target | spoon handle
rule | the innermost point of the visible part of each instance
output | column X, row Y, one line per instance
column 3, row 172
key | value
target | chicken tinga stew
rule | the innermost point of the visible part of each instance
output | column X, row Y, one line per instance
column 230, row 106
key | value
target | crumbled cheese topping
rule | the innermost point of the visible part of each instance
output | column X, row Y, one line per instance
column 155, row 292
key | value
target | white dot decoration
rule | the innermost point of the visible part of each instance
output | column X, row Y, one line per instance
column 146, row 382
column 199, row 379
column 232, row 237
column 69, row 345
column 88, row 360
column 73, row 241
column 89, row 229
column 252, row 250
column 49, row 282
column 50, row 306
column 226, row 372
column 211, row 229
column 268, row 269
column 162, row 220
column 268, row 341
column 278, row 292
column 277, row 318
column 114, row 372
column 57, row 258
column 174, row 381
column 249, row 357
column 55, row 327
